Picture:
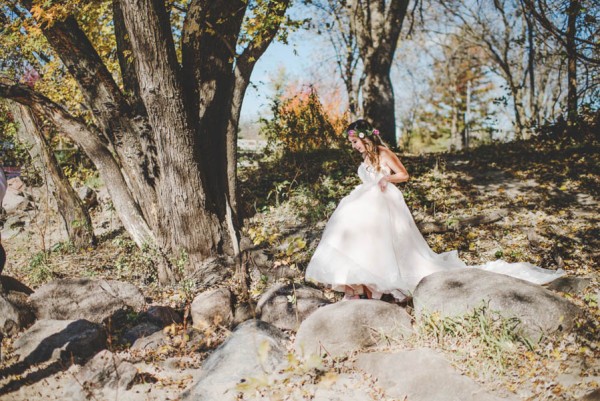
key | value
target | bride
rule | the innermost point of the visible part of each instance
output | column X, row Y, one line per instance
column 371, row 244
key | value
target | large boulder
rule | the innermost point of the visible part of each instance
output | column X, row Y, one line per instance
column 593, row 396
column 348, row 326
column 15, row 313
column 253, row 350
column 420, row 375
column 244, row 311
column 212, row 307
column 162, row 315
column 142, row 330
column 104, row 377
column 60, row 340
column 287, row 305
column 93, row 300
column 15, row 201
column 151, row 342
column 572, row 285
column 457, row 292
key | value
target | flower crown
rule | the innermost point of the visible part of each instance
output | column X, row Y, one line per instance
column 362, row 133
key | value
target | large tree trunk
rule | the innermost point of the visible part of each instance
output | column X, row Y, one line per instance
column 519, row 110
column 378, row 101
column 166, row 148
column 533, row 98
column 377, row 28
column 455, row 135
column 187, row 221
column 74, row 215
column 573, row 13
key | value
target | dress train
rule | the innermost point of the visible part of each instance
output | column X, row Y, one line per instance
column 371, row 239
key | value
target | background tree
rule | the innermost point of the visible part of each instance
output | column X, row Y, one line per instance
column 162, row 135
column 333, row 19
column 460, row 96
column 574, row 25
column 501, row 30
column 377, row 25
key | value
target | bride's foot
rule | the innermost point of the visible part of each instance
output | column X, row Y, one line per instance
column 352, row 293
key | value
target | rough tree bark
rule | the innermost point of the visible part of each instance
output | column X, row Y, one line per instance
column 74, row 215
column 377, row 24
column 571, row 34
column 166, row 143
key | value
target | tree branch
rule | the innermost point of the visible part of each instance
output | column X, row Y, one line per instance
column 259, row 45
column 559, row 34
column 90, row 140
column 209, row 37
column 156, row 65
column 128, row 73
column 393, row 23
column 85, row 65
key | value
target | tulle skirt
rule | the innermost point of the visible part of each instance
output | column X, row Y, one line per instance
column 371, row 239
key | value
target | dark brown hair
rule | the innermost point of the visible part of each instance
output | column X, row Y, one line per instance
column 370, row 140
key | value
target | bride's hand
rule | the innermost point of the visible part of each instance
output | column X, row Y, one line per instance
column 382, row 184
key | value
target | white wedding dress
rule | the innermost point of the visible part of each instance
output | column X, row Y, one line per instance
column 371, row 239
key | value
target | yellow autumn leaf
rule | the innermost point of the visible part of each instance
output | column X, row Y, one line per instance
column 329, row 379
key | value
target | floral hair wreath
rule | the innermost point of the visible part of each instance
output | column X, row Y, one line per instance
column 362, row 133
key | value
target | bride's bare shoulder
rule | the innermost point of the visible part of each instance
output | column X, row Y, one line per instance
column 385, row 152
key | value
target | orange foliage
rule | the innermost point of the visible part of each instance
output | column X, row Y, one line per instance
column 301, row 121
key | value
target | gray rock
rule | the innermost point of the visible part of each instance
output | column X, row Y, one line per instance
column 593, row 396
column 14, row 201
column 88, row 196
column 104, row 377
column 15, row 313
column 211, row 307
column 274, row 274
column 244, row 311
column 571, row 285
column 260, row 259
column 142, row 330
column 93, row 300
column 347, row 326
column 460, row 291
column 60, row 340
column 346, row 387
column 287, row 305
column 421, row 375
column 150, row 342
column 14, row 225
column 162, row 315
column 254, row 349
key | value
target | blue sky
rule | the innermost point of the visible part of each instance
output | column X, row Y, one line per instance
column 277, row 56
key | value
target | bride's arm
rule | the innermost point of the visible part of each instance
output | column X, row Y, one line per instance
column 399, row 173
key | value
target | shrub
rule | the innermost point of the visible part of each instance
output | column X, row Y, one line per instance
column 302, row 123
